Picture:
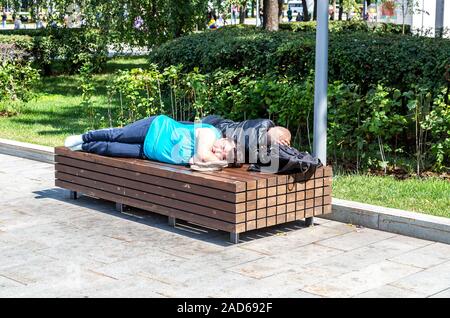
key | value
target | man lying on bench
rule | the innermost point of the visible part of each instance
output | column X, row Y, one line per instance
column 251, row 136
column 158, row 138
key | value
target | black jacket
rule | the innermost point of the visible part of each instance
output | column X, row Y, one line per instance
column 250, row 135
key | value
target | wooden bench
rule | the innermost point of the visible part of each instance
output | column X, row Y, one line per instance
column 233, row 200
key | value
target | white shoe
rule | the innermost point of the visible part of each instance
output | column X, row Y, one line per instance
column 73, row 141
column 76, row 148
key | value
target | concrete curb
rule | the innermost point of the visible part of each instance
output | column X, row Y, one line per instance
column 26, row 150
column 402, row 222
column 397, row 221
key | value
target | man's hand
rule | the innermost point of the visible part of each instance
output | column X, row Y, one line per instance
column 284, row 142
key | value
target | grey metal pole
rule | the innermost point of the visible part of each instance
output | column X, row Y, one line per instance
column 439, row 22
column 321, row 83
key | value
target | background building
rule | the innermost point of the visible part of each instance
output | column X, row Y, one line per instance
column 424, row 17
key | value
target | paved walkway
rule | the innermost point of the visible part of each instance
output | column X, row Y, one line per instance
column 53, row 247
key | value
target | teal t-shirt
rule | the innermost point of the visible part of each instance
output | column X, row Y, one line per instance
column 172, row 142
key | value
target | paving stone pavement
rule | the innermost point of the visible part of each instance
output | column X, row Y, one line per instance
column 53, row 247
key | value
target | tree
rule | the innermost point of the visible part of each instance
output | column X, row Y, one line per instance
column 305, row 11
column 270, row 21
column 334, row 10
column 315, row 10
column 142, row 22
column 407, row 7
column 242, row 12
column 242, row 5
column 349, row 6
column 280, row 10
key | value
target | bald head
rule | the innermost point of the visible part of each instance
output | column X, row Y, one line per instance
column 279, row 135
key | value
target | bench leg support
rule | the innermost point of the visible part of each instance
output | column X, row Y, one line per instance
column 172, row 221
column 120, row 207
column 234, row 238
column 309, row 221
column 73, row 195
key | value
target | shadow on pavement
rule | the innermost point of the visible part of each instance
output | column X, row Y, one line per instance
column 159, row 221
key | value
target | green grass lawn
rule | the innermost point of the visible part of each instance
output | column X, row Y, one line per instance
column 430, row 196
column 56, row 112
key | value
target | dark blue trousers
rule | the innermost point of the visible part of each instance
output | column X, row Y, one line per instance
column 126, row 142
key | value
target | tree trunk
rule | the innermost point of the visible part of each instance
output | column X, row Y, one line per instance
column 242, row 13
column 280, row 11
column 334, row 10
column 271, row 15
column 315, row 10
column 341, row 10
column 305, row 11
column 253, row 8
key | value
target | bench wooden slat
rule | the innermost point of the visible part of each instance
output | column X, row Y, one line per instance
column 152, row 189
column 146, row 166
column 194, row 218
column 233, row 174
column 148, row 197
column 154, row 180
column 253, row 179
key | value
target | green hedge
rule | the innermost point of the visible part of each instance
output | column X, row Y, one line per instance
column 17, row 79
column 29, row 32
column 59, row 50
column 15, row 47
column 23, row 41
column 354, row 57
column 388, row 94
column 359, row 124
column 347, row 26
column 232, row 47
